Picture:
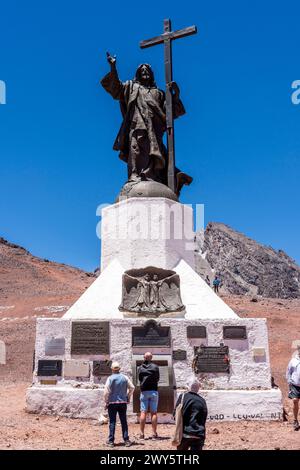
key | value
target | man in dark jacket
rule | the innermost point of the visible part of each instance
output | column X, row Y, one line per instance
column 148, row 378
column 194, row 414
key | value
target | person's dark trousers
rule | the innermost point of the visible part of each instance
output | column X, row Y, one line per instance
column 113, row 410
column 195, row 445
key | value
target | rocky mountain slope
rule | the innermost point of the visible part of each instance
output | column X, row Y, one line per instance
column 245, row 266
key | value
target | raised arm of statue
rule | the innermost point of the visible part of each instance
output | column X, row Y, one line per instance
column 111, row 82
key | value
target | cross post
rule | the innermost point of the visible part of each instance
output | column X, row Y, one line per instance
column 166, row 38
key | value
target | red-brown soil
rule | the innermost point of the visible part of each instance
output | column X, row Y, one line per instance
column 31, row 287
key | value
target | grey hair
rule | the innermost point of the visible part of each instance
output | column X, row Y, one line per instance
column 193, row 385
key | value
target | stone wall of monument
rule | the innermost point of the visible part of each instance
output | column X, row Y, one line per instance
column 249, row 363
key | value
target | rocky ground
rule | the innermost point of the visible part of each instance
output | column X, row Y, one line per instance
column 22, row 431
column 31, row 287
column 19, row 430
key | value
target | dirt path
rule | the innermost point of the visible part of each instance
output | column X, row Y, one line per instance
column 19, row 430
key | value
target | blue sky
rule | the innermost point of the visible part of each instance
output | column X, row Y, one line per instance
column 240, row 137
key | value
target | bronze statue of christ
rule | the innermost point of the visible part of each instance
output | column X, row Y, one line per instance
column 140, row 138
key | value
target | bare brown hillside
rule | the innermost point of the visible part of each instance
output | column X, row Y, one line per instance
column 28, row 283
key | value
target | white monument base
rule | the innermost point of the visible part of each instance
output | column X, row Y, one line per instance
column 69, row 376
column 243, row 393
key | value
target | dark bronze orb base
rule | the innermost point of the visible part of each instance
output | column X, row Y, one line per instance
column 146, row 189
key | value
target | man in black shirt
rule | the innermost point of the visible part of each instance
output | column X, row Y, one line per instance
column 194, row 414
column 148, row 378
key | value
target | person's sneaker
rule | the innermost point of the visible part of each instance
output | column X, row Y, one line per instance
column 296, row 425
column 155, row 436
column 128, row 443
column 110, row 444
column 142, row 436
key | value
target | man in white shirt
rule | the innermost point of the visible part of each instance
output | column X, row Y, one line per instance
column 293, row 379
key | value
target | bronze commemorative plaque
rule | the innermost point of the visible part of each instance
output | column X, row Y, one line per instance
column 197, row 331
column 90, row 338
column 179, row 355
column 211, row 359
column 234, row 332
column 151, row 334
column 101, row 368
column 49, row 368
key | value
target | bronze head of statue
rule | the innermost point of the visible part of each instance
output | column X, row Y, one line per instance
column 145, row 76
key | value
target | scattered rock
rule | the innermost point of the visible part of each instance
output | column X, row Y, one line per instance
column 102, row 420
column 215, row 431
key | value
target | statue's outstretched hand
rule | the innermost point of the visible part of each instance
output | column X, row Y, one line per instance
column 111, row 59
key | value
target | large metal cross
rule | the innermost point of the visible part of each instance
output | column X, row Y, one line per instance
column 166, row 38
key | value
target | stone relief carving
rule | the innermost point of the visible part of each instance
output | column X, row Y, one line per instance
column 151, row 290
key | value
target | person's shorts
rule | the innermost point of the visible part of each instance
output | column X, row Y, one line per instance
column 149, row 401
column 294, row 391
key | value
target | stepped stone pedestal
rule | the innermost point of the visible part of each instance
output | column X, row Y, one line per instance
column 229, row 355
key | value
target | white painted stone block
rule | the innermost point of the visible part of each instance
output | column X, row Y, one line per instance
column 46, row 329
column 2, row 353
column 223, row 405
column 142, row 232
column 64, row 401
column 237, row 405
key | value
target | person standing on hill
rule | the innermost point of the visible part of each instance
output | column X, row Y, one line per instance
column 216, row 284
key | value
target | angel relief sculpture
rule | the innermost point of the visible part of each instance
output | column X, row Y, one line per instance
column 151, row 290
